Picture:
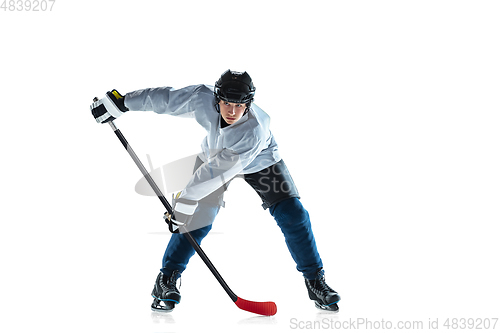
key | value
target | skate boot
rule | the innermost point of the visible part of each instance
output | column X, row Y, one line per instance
column 324, row 297
column 165, row 292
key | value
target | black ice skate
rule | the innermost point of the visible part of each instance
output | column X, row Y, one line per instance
column 165, row 292
column 324, row 297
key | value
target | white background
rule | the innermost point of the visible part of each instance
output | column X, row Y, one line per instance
column 386, row 113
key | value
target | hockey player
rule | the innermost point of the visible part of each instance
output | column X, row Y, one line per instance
column 238, row 143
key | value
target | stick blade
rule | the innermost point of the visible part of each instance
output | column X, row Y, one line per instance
column 261, row 308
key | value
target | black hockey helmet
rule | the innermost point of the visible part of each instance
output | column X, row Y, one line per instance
column 235, row 87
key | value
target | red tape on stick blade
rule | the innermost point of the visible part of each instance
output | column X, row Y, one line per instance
column 261, row 308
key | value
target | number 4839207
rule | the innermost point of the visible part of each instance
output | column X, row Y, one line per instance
column 27, row 5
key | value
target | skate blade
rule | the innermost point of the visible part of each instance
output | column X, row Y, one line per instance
column 334, row 308
column 162, row 306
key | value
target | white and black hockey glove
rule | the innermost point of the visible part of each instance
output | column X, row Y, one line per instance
column 183, row 214
column 109, row 107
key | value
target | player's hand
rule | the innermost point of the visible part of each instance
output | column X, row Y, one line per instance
column 183, row 214
column 109, row 107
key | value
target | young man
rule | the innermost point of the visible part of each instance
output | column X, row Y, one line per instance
column 238, row 143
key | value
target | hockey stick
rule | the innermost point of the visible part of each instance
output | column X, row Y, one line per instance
column 261, row 308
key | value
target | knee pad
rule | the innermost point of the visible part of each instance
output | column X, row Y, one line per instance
column 289, row 211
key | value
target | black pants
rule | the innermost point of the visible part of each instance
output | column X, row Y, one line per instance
column 273, row 184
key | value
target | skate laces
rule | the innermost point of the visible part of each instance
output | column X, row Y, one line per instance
column 171, row 281
column 320, row 284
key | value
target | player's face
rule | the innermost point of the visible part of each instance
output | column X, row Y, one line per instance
column 231, row 112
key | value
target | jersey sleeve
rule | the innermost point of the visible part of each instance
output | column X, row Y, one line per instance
column 164, row 100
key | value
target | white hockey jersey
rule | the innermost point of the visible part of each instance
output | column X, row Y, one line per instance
column 244, row 147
